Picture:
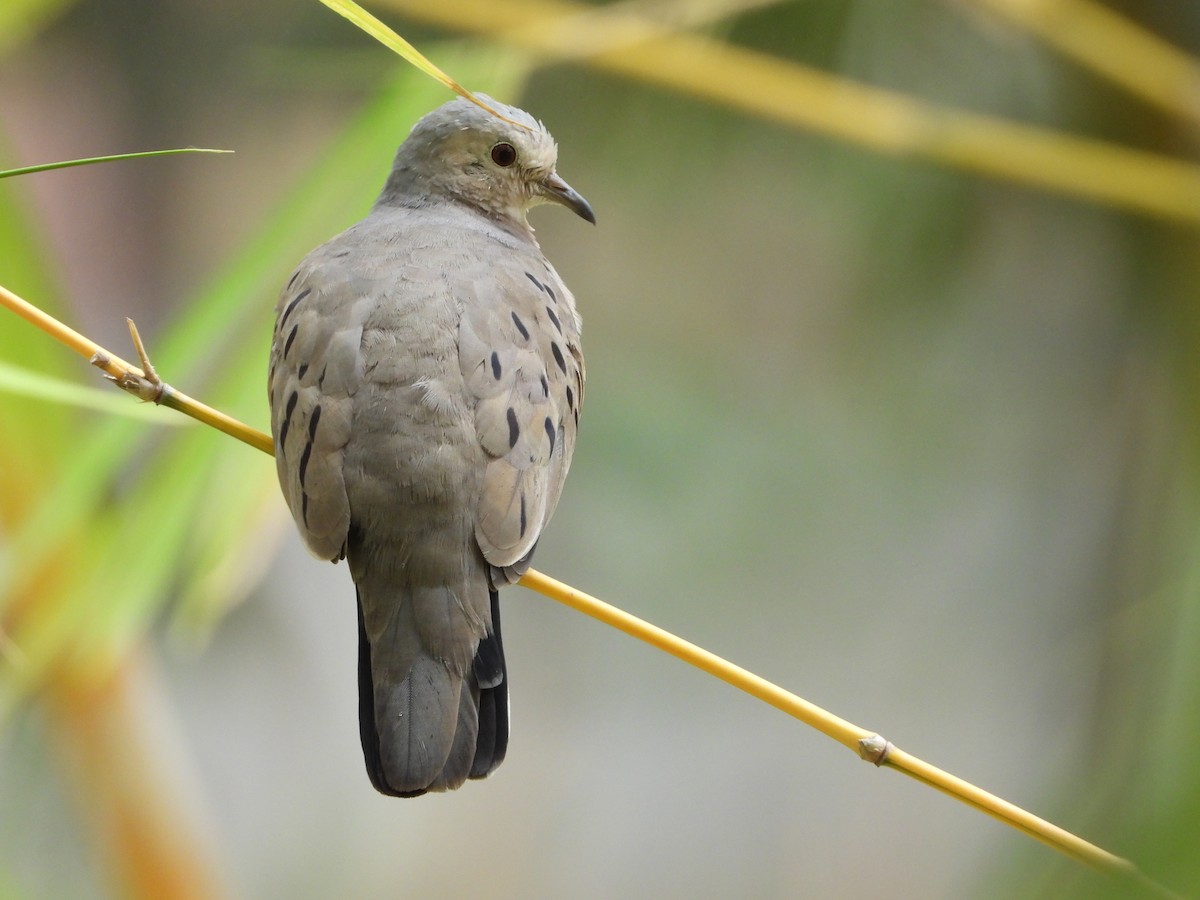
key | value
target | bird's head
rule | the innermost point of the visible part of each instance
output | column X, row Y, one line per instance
column 465, row 153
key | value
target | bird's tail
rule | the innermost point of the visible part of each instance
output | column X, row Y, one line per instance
column 424, row 726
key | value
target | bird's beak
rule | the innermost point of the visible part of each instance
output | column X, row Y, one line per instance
column 558, row 191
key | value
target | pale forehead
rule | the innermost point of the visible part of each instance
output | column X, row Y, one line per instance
column 532, row 140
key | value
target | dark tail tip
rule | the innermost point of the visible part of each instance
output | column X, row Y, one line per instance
column 367, row 732
column 492, row 676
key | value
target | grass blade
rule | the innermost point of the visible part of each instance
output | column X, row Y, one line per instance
column 70, row 163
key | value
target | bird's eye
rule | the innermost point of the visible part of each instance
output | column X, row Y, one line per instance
column 504, row 154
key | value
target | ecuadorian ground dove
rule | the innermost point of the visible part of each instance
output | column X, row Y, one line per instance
column 425, row 386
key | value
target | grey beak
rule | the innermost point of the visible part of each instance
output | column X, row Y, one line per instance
column 557, row 190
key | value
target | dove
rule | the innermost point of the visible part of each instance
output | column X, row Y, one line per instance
column 425, row 385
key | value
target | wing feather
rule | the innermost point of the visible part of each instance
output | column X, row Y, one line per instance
column 316, row 367
column 520, row 360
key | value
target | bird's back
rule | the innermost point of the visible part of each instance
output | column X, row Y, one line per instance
column 426, row 381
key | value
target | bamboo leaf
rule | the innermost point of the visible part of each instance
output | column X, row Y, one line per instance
column 91, row 160
column 398, row 45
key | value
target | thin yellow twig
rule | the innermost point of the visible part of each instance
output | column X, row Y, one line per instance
column 132, row 378
column 867, row 744
column 795, row 95
column 1114, row 47
column 895, row 758
column 845, row 733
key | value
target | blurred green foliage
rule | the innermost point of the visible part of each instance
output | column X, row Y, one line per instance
column 918, row 444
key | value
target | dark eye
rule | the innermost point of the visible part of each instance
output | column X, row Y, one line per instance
column 504, row 154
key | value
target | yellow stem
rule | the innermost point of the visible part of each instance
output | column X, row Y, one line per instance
column 130, row 377
column 866, row 744
column 799, row 96
column 1114, row 47
column 895, row 758
column 828, row 724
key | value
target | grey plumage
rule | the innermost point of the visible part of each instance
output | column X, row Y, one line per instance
column 425, row 386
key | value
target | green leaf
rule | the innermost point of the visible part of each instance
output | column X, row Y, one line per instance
column 91, row 160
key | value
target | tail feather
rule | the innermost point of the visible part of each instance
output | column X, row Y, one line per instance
column 492, row 676
column 367, row 732
column 438, row 729
column 462, row 751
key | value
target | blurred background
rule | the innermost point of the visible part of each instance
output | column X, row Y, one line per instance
column 890, row 320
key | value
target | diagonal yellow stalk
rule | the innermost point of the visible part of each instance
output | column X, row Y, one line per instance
column 800, row 96
column 132, row 378
column 1114, row 47
column 867, row 744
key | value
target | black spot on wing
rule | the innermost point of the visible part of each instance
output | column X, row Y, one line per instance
column 570, row 398
column 287, row 310
column 524, row 522
column 312, row 432
column 304, row 507
column 551, row 432
column 545, row 387
column 543, row 287
column 521, row 325
column 558, row 356
column 554, row 318
column 300, row 372
column 287, row 420
column 514, row 429
column 496, row 370
column 304, row 464
column 291, row 337
column 292, row 280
